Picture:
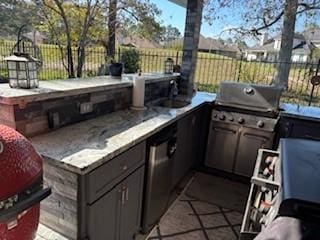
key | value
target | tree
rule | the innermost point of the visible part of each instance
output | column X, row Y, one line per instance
column 289, row 20
column 10, row 20
column 69, row 22
column 133, row 16
column 170, row 33
column 268, row 14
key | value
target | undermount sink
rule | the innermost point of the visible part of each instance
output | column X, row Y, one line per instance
column 171, row 103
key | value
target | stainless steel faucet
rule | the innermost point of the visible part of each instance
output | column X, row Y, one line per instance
column 173, row 89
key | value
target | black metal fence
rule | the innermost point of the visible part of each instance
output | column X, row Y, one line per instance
column 212, row 68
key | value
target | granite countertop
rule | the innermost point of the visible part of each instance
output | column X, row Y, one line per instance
column 300, row 112
column 68, row 87
column 84, row 146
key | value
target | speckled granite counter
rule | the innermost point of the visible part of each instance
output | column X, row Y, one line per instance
column 300, row 112
column 84, row 146
column 68, row 87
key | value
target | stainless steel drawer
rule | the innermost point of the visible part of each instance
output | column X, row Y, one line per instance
column 102, row 179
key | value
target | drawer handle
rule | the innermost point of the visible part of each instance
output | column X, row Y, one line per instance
column 124, row 167
column 123, row 196
column 127, row 194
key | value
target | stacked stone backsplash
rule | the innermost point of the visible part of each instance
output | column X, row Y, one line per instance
column 39, row 117
column 155, row 90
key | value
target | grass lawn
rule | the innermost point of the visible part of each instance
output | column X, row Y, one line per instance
column 210, row 71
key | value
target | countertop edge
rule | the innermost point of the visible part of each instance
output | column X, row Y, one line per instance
column 82, row 171
column 84, row 90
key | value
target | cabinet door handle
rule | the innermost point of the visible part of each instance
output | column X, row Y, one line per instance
column 124, row 168
column 127, row 194
column 122, row 196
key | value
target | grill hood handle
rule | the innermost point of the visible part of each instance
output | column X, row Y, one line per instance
column 20, row 206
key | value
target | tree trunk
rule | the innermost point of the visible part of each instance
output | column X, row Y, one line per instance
column 81, row 60
column 284, row 61
column 70, row 61
column 111, row 50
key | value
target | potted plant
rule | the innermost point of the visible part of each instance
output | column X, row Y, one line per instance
column 115, row 68
column 131, row 59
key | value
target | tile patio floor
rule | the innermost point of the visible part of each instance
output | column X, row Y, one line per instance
column 192, row 219
column 187, row 219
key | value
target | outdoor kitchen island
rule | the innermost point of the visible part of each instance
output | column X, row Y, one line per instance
column 90, row 164
column 96, row 167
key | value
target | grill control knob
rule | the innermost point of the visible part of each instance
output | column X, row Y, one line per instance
column 260, row 124
column 222, row 117
column 230, row 118
column 240, row 120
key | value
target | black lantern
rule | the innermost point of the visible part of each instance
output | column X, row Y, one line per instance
column 22, row 67
column 168, row 66
column 22, row 70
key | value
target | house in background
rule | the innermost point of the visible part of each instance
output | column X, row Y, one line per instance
column 135, row 41
column 268, row 50
column 36, row 37
column 211, row 45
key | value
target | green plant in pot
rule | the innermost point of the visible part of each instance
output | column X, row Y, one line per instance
column 130, row 59
column 115, row 68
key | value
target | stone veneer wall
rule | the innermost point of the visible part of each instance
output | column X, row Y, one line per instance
column 190, row 46
column 42, row 116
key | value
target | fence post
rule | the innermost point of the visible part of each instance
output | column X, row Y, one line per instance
column 119, row 54
column 177, row 58
column 239, row 72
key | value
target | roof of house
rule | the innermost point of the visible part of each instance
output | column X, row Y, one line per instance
column 304, row 46
column 35, row 36
column 299, row 36
column 136, row 41
column 312, row 34
column 214, row 44
column 182, row 3
column 269, row 47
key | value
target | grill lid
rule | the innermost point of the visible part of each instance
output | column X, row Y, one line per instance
column 300, row 160
column 261, row 98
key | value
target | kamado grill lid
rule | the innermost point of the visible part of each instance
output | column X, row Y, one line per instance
column 20, row 174
column 254, row 97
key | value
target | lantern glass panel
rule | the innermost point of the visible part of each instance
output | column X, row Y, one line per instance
column 168, row 66
column 22, row 66
column 32, row 74
column 23, row 83
column 22, row 74
column 12, row 65
column 32, row 65
column 12, row 74
column 13, row 83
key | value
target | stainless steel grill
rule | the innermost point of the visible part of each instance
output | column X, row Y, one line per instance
column 243, row 120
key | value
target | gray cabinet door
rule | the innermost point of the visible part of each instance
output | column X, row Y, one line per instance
column 222, row 146
column 250, row 142
column 104, row 216
column 182, row 155
column 132, row 188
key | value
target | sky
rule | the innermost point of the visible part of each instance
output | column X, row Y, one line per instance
column 175, row 15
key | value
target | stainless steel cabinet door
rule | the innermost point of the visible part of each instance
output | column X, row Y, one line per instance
column 250, row 142
column 183, row 155
column 104, row 216
column 222, row 146
column 131, row 202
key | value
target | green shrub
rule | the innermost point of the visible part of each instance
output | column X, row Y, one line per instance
column 130, row 59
